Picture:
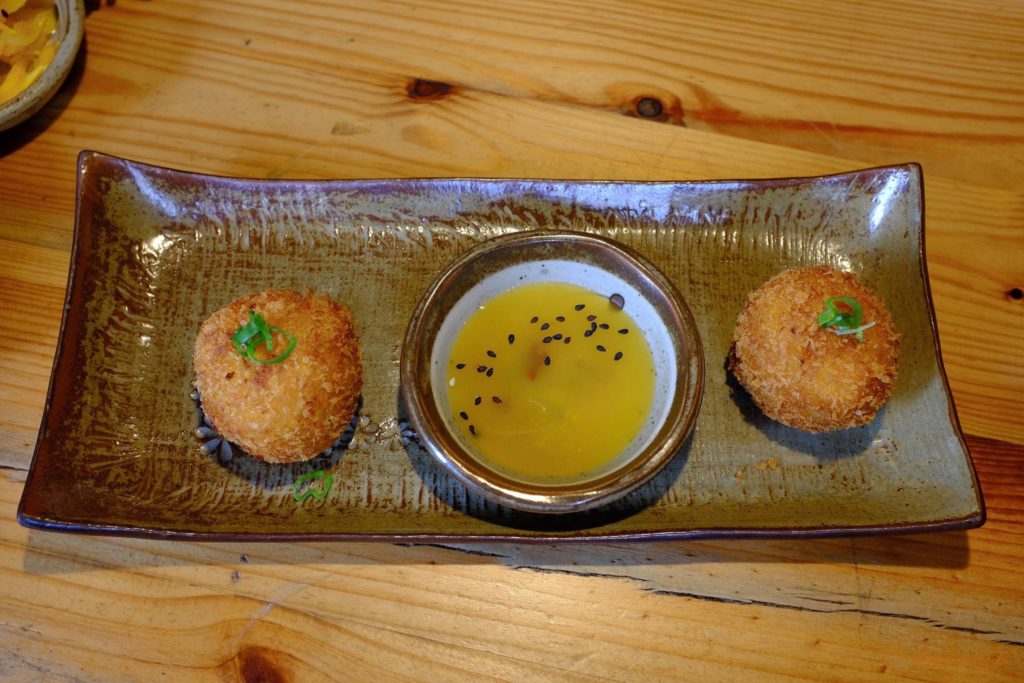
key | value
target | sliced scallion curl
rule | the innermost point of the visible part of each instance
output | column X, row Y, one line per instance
column 319, row 493
column 858, row 332
column 250, row 350
column 832, row 316
column 264, row 329
column 255, row 332
column 842, row 322
column 246, row 333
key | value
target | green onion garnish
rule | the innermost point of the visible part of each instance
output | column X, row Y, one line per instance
column 319, row 493
column 843, row 322
column 255, row 332
column 244, row 334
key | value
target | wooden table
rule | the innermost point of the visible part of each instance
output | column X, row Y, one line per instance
column 621, row 90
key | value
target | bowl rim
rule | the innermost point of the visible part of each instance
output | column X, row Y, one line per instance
column 435, row 437
column 71, row 20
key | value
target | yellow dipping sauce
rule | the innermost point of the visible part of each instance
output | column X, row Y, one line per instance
column 550, row 381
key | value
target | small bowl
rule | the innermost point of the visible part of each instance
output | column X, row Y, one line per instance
column 70, row 28
column 591, row 261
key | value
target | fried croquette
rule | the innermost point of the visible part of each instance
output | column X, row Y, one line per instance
column 285, row 411
column 805, row 375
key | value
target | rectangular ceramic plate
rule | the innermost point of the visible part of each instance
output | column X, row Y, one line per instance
column 156, row 251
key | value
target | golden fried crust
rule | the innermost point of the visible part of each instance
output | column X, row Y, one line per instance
column 292, row 410
column 806, row 376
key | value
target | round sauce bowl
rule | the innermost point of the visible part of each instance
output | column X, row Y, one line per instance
column 552, row 372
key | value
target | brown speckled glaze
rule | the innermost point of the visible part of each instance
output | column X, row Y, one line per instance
column 157, row 250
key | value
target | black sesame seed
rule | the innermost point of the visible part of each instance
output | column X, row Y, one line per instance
column 511, row 339
column 546, row 340
column 557, row 336
column 476, row 401
column 472, row 430
column 601, row 348
column 568, row 339
column 490, row 371
column 481, row 368
column 624, row 331
column 547, row 360
column 580, row 307
column 459, row 366
column 496, row 400
column 545, row 326
column 593, row 326
column 591, row 317
column 463, row 415
column 618, row 355
column 588, row 333
column 617, row 300
column 492, row 354
column 534, row 319
column 560, row 318
column 603, row 326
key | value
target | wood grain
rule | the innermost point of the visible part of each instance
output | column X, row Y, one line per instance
column 31, row 275
column 352, row 115
column 875, row 83
column 929, row 606
column 535, row 89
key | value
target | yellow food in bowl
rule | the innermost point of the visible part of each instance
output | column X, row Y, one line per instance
column 549, row 381
column 27, row 44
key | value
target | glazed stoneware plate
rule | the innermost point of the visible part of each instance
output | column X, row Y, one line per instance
column 156, row 251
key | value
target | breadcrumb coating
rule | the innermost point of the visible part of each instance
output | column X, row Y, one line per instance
column 289, row 411
column 806, row 376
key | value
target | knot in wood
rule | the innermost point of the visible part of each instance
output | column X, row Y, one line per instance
column 649, row 107
column 423, row 89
